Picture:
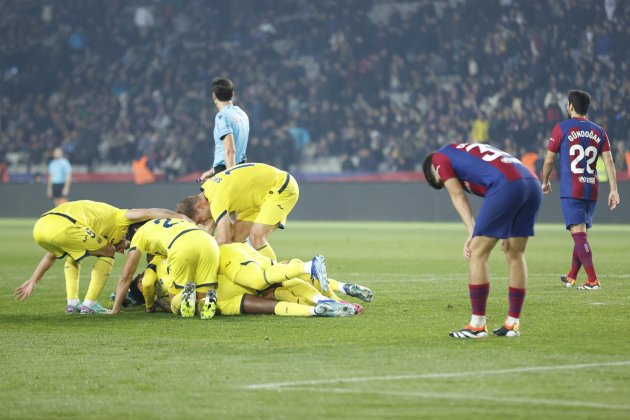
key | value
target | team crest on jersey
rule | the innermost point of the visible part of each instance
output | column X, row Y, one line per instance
column 217, row 179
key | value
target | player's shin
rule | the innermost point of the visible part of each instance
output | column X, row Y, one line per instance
column 72, row 270
column 100, row 274
column 293, row 309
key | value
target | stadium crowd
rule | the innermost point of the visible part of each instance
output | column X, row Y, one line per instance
column 377, row 84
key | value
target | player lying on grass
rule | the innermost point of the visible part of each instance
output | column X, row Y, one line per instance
column 512, row 197
column 240, row 289
column 260, row 195
column 248, row 277
column 196, row 208
column 192, row 257
column 79, row 229
column 149, row 288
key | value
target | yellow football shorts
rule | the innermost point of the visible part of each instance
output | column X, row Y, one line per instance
column 230, row 296
column 276, row 206
column 194, row 257
column 62, row 235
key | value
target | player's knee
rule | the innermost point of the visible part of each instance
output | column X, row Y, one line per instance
column 513, row 254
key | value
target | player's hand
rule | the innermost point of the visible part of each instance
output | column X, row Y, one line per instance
column 113, row 312
column 205, row 175
column 150, row 310
column 613, row 200
column 49, row 193
column 65, row 191
column 467, row 251
column 24, row 291
column 546, row 188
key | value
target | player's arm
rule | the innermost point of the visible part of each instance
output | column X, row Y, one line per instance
column 205, row 175
column 613, row 196
column 140, row 215
column 555, row 140
column 461, row 204
column 133, row 259
column 550, row 158
column 148, row 287
column 223, row 229
column 230, row 150
column 26, row 289
column 49, row 185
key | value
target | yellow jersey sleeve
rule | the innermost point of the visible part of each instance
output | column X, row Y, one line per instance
column 139, row 241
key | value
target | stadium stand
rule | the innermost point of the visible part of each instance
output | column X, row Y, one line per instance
column 369, row 87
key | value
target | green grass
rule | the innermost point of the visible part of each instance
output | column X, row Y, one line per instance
column 390, row 361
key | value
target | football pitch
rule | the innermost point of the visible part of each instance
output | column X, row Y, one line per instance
column 393, row 360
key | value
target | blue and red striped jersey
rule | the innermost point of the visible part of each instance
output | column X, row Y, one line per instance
column 579, row 142
column 478, row 167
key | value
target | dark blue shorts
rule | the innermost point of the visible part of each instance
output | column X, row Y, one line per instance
column 510, row 211
column 578, row 211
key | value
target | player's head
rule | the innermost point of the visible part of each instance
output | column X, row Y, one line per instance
column 195, row 207
column 57, row 153
column 222, row 89
column 430, row 173
column 578, row 102
column 121, row 246
column 132, row 229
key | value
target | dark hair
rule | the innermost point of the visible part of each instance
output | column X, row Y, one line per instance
column 427, row 168
column 186, row 206
column 580, row 101
column 133, row 228
column 223, row 89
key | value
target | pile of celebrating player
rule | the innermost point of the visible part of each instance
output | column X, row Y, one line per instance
column 190, row 272
column 236, row 271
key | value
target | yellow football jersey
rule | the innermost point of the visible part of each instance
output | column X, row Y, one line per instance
column 156, row 236
column 105, row 220
column 242, row 188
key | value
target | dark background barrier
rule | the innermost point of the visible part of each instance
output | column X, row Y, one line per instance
column 318, row 201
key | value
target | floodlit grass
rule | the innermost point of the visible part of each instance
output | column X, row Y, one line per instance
column 394, row 360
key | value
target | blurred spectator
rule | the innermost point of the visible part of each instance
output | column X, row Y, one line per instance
column 59, row 177
column 106, row 80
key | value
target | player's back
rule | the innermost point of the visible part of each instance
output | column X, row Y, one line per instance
column 106, row 220
column 243, row 186
column 579, row 142
column 480, row 167
column 157, row 235
column 231, row 119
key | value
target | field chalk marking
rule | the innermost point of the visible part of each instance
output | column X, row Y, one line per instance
column 280, row 385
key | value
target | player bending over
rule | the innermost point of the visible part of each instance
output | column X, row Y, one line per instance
column 192, row 257
column 78, row 229
column 512, row 197
column 260, row 195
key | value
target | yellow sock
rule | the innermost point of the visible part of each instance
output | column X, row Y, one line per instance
column 100, row 273
column 285, row 295
column 176, row 303
column 72, row 269
column 329, row 294
column 303, row 290
column 267, row 251
column 293, row 309
column 257, row 278
column 281, row 272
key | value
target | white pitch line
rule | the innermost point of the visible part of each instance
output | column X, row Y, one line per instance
column 463, row 275
column 458, row 396
column 276, row 385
